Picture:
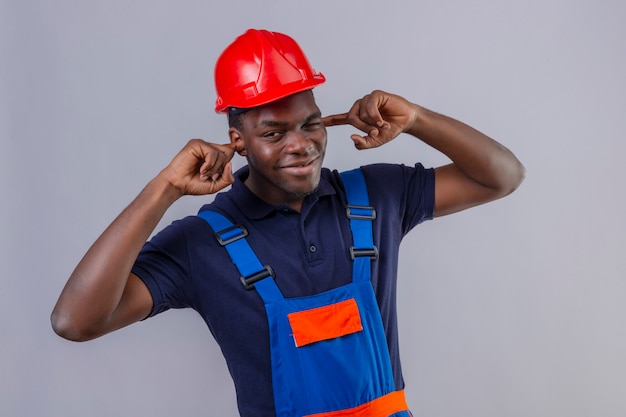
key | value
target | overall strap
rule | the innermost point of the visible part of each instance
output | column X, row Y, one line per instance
column 253, row 273
column 361, row 215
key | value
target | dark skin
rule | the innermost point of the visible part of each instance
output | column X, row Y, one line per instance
column 284, row 143
column 482, row 169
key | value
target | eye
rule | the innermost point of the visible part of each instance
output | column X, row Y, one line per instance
column 313, row 125
column 273, row 136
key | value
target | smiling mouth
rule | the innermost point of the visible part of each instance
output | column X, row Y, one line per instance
column 301, row 168
column 301, row 164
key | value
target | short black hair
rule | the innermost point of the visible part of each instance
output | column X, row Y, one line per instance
column 235, row 117
column 236, row 121
column 235, row 114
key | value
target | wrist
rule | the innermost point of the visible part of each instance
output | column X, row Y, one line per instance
column 418, row 121
column 164, row 190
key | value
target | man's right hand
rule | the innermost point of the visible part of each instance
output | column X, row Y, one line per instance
column 102, row 294
column 200, row 168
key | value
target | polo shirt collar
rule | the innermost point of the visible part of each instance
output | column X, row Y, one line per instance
column 255, row 208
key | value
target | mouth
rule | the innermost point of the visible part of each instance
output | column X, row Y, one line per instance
column 300, row 168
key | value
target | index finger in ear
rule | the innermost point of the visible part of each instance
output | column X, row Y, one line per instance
column 335, row 120
column 228, row 148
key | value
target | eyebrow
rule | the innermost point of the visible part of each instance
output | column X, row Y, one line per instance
column 276, row 123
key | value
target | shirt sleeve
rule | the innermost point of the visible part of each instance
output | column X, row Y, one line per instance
column 407, row 190
column 163, row 265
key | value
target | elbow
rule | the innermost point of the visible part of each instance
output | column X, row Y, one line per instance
column 67, row 327
column 508, row 172
column 510, row 176
column 517, row 176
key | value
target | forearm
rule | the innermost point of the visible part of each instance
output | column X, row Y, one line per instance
column 91, row 297
column 482, row 169
column 477, row 156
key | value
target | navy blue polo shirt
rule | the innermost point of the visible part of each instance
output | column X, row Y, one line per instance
column 183, row 266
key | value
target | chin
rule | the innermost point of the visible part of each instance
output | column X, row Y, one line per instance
column 297, row 186
column 300, row 195
column 301, row 192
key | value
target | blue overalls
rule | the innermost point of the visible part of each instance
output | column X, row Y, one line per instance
column 329, row 352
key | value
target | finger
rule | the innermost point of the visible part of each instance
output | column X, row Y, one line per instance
column 360, row 115
column 228, row 149
column 336, row 120
column 360, row 142
column 212, row 169
column 369, row 110
column 215, row 161
column 227, row 176
column 214, row 184
column 224, row 177
column 351, row 118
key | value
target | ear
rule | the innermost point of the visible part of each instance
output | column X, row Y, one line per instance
column 236, row 138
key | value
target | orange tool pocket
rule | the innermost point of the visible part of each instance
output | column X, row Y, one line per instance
column 327, row 322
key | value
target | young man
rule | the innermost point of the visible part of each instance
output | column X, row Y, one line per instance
column 294, row 268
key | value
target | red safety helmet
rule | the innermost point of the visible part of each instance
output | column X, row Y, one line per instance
column 260, row 67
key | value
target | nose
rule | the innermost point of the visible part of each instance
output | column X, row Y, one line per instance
column 297, row 142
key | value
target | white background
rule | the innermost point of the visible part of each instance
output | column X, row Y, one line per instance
column 512, row 309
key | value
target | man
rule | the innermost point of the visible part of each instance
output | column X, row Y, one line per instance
column 310, row 329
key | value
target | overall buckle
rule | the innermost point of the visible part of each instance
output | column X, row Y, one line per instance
column 360, row 212
column 249, row 281
column 357, row 253
column 231, row 234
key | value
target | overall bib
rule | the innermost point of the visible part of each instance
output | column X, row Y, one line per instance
column 329, row 352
